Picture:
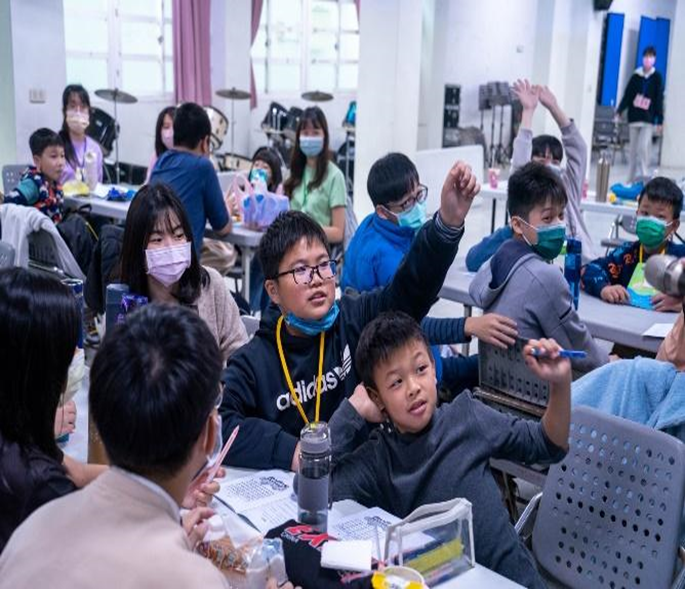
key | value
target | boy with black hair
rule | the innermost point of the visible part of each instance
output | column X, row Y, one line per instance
column 298, row 367
column 377, row 249
column 187, row 169
column 644, row 100
column 658, row 218
column 521, row 282
column 430, row 454
column 548, row 150
column 39, row 186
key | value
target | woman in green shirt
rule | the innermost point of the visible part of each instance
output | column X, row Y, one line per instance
column 316, row 185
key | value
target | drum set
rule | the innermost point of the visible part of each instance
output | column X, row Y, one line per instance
column 279, row 124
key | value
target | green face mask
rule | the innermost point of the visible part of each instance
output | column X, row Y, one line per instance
column 551, row 239
column 651, row 231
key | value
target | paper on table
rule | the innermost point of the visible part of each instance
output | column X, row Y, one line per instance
column 269, row 516
column 265, row 499
column 257, row 490
column 362, row 525
column 658, row 330
column 347, row 555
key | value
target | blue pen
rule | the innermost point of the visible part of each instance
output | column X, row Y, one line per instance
column 573, row 354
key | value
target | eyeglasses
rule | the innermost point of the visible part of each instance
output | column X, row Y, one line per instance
column 409, row 203
column 305, row 274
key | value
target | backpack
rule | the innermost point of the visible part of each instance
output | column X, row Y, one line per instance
column 79, row 236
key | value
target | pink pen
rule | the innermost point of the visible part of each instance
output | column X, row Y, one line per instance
column 227, row 446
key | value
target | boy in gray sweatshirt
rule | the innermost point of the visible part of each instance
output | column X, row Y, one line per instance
column 425, row 454
column 520, row 281
column 545, row 149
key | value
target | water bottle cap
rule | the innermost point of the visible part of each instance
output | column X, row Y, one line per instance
column 315, row 438
column 573, row 246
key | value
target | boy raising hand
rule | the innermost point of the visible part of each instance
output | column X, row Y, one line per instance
column 298, row 367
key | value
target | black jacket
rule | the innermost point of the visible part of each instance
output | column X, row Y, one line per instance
column 28, row 479
column 651, row 87
column 256, row 395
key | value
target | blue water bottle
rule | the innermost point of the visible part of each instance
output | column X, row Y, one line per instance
column 572, row 265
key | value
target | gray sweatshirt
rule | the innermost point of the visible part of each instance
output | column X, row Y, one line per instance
column 448, row 459
column 518, row 283
column 572, row 176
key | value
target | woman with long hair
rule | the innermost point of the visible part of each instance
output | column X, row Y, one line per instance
column 164, row 136
column 158, row 261
column 39, row 327
column 77, row 145
column 316, row 186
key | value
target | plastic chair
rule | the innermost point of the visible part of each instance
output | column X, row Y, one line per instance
column 610, row 512
column 627, row 223
column 6, row 255
column 43, row 256
column 11, row 175
column 251, row 325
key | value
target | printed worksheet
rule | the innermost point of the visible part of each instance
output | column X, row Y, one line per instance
column 266, row 499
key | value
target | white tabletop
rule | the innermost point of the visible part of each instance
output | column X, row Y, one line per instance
column 100, row 206
column 588, row 204
column 621, row 324
column 239, row 235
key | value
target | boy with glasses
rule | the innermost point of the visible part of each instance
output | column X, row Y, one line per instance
column 298, row 367
column 377, row 249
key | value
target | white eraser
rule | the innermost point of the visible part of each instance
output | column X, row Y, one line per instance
column 347, row 555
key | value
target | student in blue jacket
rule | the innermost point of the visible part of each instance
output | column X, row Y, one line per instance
column 378, row 247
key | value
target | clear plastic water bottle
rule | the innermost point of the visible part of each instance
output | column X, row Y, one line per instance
column 90, row 172
column 572, row 264
column 314, row 475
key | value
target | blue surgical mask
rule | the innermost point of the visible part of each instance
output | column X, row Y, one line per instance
column 414, row 218
column 314, row 327
column 311, row 146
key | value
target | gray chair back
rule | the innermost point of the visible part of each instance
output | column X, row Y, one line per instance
column 42, row 254
column 10, row 176
column 610, row 513
column 6, row 255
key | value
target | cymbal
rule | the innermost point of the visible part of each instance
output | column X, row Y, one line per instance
column 317, row 96
column 233, row 94
column 116, row 95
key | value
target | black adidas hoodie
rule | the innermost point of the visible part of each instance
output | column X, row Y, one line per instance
column 256, row 394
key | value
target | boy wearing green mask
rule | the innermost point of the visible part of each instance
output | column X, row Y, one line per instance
column 520, row 281
column 619, row 277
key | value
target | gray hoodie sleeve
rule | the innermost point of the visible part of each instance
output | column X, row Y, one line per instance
column 560, row 320
column 575, row 150
column 353, row 475
column 523, row 149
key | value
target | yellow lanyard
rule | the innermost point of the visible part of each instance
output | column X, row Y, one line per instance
column 319, row 380
column 663, row 250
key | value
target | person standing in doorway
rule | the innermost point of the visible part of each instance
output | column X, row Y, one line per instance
column 644, row 100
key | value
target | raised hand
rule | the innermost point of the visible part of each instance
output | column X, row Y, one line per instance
column 363, row 405
column 458, row 191
column 526, row 93
column 549, row 365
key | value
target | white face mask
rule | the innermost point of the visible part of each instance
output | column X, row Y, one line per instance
column 167, row 264
column 77, row 120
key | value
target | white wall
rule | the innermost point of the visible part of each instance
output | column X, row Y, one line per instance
column 8, row 132
column 673, row 154
column 388, row 92
column 38, row 63
column 475, row 41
